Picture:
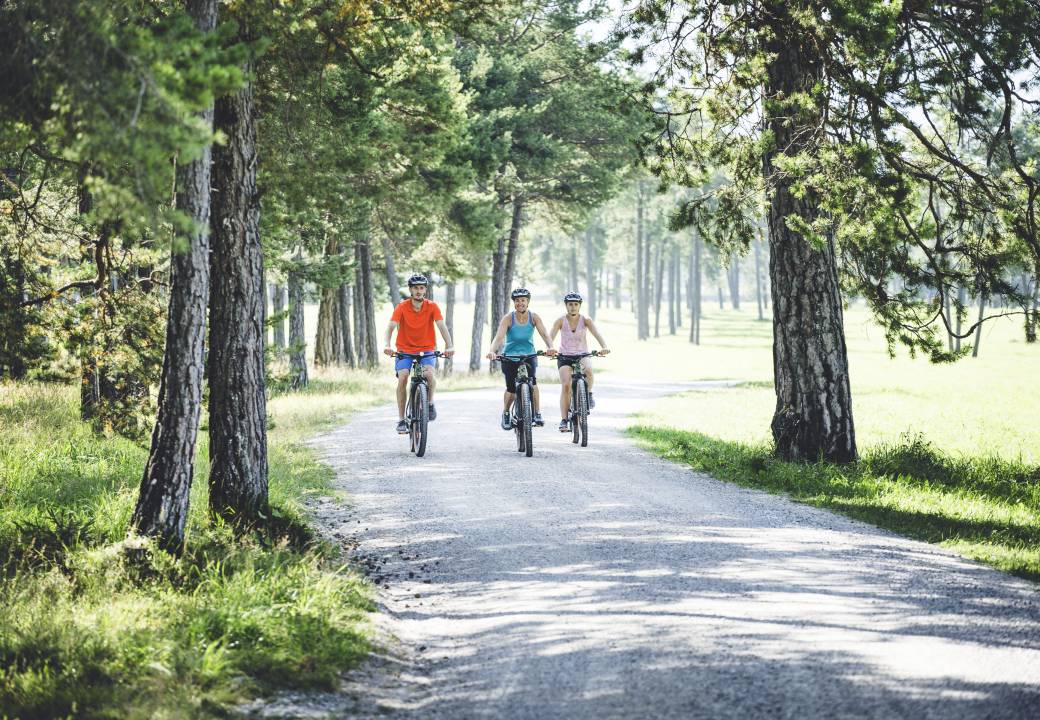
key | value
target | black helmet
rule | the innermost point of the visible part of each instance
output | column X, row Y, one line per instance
column 418, row 279
column 521, row 292
column 572, row 297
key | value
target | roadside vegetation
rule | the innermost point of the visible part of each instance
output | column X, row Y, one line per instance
column 87, row 628
column 951, row 453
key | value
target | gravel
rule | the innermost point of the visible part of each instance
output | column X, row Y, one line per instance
column 603, row 582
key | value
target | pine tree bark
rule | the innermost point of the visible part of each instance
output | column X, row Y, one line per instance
column 573, row 268
column 162, row 504
column 758, row 277
column 734, row 281
column 237, row 403
column 393, row 288
column 449, row 320
column 498, row 283
column 360, row 326
column 695, row 292
column 514, row 241
column 297, row 334
column 480, row 313
column 658, row 286
column 617, row 290
column 278, row 308
column 978, row 326
column 591, row 274
column 344, row 307
column 371, row 338
column 640, row 288
column 328, row 344
column 673, row 286
column 813, row 417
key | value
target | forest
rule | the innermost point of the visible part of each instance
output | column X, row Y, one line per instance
column 179, row 181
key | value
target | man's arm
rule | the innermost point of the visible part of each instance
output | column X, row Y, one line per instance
column 388, row 349
column 449, row 349
column 595, row 333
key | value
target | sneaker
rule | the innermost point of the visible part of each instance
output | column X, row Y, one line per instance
column 565, row 425
column 592, row 401
column 402, row 428
column 538, row 422
column 507, row 424
column 433, row 413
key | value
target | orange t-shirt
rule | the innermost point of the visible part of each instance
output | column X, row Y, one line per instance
column 415, row 329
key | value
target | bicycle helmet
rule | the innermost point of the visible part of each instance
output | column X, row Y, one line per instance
column 521, row 292
column 572, row 297
column 418, row 279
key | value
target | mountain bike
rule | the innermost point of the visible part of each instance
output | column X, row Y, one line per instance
column 579, row 410
column 417, row 407
column 522, row 414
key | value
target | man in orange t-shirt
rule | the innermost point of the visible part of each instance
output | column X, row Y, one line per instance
column 414, row 320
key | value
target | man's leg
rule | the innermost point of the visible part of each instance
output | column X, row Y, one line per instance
column 565, row 392
column 431, row 381
column 402, row 392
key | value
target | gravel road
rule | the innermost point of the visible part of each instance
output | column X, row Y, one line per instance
column 607, row 583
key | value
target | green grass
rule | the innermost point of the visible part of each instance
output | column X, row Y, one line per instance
column 985, row 508
column 950, row 453
column 85, row 633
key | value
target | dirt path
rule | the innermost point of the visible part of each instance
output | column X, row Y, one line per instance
column 607, row 583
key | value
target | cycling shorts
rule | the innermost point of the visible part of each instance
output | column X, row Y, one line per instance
column 405, row 363
column 510, row 368
column 568, row 360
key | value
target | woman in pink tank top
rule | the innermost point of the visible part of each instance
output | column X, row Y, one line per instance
column 572, row 328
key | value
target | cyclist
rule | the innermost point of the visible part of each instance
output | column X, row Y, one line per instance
column 572, row 342
column 516, row 331
column 414, row 319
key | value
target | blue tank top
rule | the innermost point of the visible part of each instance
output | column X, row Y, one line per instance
column 519, row 338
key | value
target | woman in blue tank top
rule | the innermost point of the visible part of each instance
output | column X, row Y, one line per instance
column 516, row 333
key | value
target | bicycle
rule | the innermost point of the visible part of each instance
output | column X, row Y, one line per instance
column 579, row 408
column 417, row 408
column 522, row 414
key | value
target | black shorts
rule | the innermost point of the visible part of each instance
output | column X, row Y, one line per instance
column 510, row 368
column 568, row 360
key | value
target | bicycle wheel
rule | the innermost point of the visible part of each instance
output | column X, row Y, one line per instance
column 422, row 412
column 582, row 412
column 574, row 411
column 518, row 421
column 409, row 413
column 525, row 425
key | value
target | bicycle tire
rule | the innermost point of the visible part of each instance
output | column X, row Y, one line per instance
column 518, row 425
column 409, row 413
column 582, row 412
column 574, row 412
column 422, row 420
column 525, row 400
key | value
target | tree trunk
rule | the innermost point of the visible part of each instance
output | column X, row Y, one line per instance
column 695, row 291
column 673, row 283
column 297, row 334
column 962, row 298
column 514, row 241
column 162, row 503
column 345, row 305
column 467, row 293
column 237, row 404
column 677, row 267
column 758, row 277
column 813, row 417
column 360, row 326
column 1032, row 298
column 449, row 320
column 278, row 309
column 617, row 289
column 480, row 312
column 978, row 326
column 573, row 268
column 734, row 281
column 392, row 284
column 590, row 273
column 658, row 286
column 498, row 282
column 327, row 341
column 371, row 354
column 640, row 287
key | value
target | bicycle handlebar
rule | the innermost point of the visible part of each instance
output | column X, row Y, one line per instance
column 519, row 357
column 595, row 353
column 435, row 353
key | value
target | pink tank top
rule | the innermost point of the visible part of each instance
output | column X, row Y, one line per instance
column 572, row 342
